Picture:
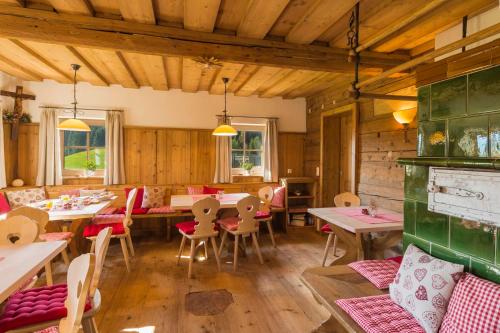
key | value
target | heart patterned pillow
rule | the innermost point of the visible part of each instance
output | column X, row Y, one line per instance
column 423, row 287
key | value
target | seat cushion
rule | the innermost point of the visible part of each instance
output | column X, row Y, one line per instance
column 138, row 197
column 52, row 329
column 135, row 211
column 379, row 272
column 211, row 190
column 474, row 306
column 326, row 228
column 92, row 230
column 108, row 211
column 379, row 314
column 229, row 223
column 107, row 219
column 56, row 236
column 4, row 204
column 34, row 306
column 262, row 215
column 397, row 259
column 161, row 210
column 188, row 227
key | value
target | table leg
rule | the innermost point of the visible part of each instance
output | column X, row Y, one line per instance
column 379, row 245
column 48, row 273
column 353, row 243
column 75, row 245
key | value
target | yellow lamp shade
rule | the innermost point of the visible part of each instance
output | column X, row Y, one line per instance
column 405, row 116
column 225, row 130
column 73, row 124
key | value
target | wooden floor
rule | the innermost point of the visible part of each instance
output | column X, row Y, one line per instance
column 267, row 298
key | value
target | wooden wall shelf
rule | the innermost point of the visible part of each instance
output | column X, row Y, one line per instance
column 298, row 204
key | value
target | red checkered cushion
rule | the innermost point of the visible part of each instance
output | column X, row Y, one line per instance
column 52, row 329
column 379, row 314
column 326, row 229
column 397, row 259
column 35, row 306
column 474, row 307
column 107, row 219
column 279, row 197
column 92, row 230
column 229, row 223
column 262, row 215
column 379, row 272
column 186, row 227
column 56, row 236
column 161, row 210
column 135, row 211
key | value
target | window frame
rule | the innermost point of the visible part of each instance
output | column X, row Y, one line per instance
column 81, row 173
column 256, row 170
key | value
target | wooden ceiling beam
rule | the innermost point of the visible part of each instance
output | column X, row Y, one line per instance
column 82, row 7
column 17, row 70
column 100, row 33
column 260, row 17
column 87, row 64
column 200, row 15
column 128, row 69
column 138, row 11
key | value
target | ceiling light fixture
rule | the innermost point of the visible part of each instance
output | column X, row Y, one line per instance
column 74, row 124
column 225, row 129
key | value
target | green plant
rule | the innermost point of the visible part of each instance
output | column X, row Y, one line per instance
column 247, row 166
column 91, row 165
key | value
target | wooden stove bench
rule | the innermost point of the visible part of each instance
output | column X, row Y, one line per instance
column 328, row 284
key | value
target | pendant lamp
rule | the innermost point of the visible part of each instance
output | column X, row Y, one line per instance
column 225, row 129
column 74, row 124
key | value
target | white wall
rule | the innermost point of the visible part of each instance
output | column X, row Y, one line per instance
column 174, row 108
column 8, row 83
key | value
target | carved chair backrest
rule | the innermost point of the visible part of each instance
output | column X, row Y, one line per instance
column 79, row 277
column 205, row 212
column 101, row 248
column 38, row 215
column 18, row 230
column 266, row 195
column 247, row 209
column 347, row 199
column 127, row 221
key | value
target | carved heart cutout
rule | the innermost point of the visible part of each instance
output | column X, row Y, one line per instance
column 421, row 293
column 420, row 273
column 438, row 282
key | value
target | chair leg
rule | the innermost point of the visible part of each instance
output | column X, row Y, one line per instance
column 181, row 248
column 130, row 245
column 169, row 229
column 191, row 257
column 214, row 246
column 235, row 260
column 223, row 241
column 257, row 248
column 205, row 245
column 92, row 246
column 65, row 257
column 89, row 325
column 328, row 243
column 271, row 234
column 335, row 246
column 123, row 243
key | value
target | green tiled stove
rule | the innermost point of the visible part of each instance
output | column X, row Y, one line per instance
column 458, row 127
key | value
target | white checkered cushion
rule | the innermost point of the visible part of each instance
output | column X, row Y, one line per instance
column 379, row 314
column 379, row 272
column 474, row 307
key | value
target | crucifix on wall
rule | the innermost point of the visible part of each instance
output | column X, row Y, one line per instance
column 18, row 107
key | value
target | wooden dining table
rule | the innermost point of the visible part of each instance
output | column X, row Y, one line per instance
column 186, row 201
column 351, row 226
column 19, row 263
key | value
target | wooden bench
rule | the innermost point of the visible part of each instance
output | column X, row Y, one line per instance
column 167, row 216
column 329, row 284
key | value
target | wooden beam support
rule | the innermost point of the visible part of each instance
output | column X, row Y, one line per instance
column 128, row 69
column 478, row 36
column 398, row 24
column 138, row 11
column 350, row 94
column 86, row 31
column 88, row 65
column 83, row 7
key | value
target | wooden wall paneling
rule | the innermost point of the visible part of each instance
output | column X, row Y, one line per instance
column 27, row 154
column 291, row 154
column 140, row 155
column 202, row 157
column 10, row 153
column 178, row 146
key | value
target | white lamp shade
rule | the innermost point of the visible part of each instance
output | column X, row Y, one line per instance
column 74, row 124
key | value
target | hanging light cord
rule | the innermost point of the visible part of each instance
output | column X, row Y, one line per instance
column 225, row 99
column 74, row 95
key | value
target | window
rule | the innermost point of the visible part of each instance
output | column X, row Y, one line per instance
column 247, row 149
column 83, row 150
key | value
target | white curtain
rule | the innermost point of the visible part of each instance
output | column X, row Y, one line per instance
column 222, row 158
column 49, row 150
column 271, row 151
column 115, row 160
column 3, row 178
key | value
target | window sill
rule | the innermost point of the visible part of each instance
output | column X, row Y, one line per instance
column 247, row 179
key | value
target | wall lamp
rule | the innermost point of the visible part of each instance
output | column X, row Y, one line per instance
column 405, row 117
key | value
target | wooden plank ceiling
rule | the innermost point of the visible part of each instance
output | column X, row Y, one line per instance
column 309, row 23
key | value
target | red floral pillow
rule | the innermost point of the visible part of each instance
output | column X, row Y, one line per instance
column 279, row 197
column 154, row 197
column 138, row 198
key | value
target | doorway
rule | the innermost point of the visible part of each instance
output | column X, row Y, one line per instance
column 338, row 152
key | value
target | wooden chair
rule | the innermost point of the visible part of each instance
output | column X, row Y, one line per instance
column 18, row 230
column 345, row 199
column 201, row 229
column 244, row 225
column 42, row 218
column 266, row 195
column 79, row 278
column 119, row 225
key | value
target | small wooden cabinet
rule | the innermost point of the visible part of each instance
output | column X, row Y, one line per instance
column 300, row 195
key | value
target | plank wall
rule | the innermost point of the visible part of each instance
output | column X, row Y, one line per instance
column 152, row 156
